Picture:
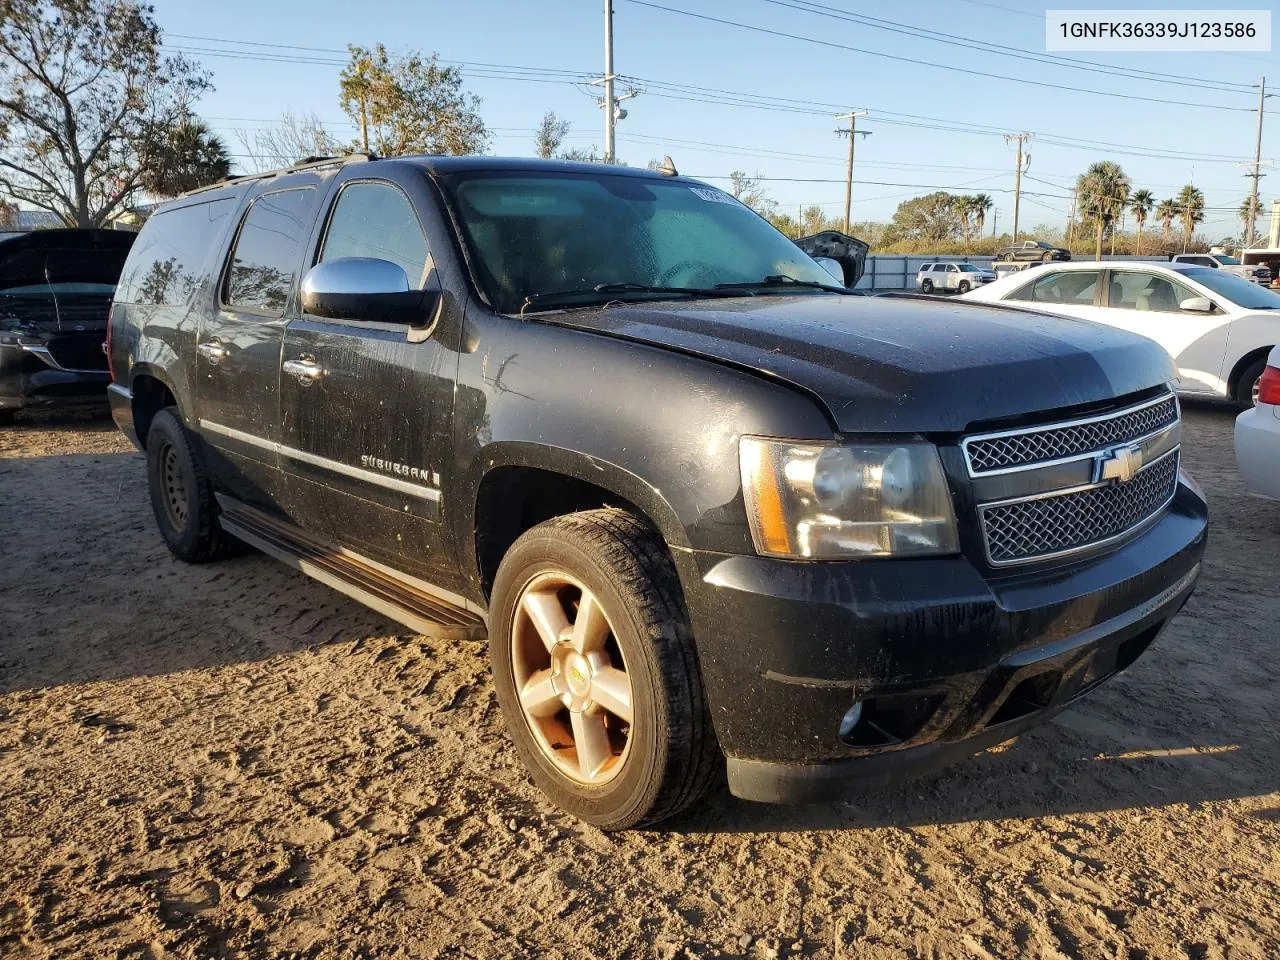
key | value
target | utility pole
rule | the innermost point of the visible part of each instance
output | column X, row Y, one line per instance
column 1257, row 167
column 612, row 111
column 1019, row 139
column 995, row 218
column 1071, row 217
column 853, row 133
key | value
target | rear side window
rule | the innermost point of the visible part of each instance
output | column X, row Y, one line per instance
column 376, row 220
column 1076, row 287
column 268, row 252
column 167, row 261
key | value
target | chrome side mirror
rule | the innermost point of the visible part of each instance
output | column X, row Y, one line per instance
column 365, row 289
column 1196, row 305
column 832, row 267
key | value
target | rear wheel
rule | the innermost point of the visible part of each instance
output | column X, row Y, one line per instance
column 926, row 286
column 595, row 670
column 1046, row 258
column 1247, row 386
column 181, row 493
column 964, row 286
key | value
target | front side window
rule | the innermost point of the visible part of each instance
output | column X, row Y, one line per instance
column 1131, row 290
column 268, row 252
column 529, row 234
column 1076, row 287
column 376, row 220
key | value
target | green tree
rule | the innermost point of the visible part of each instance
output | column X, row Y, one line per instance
column 1249, row 216
column 1103, row 190
column 1141, row 202
column 409, row 104
column 551, row 133
column 1190, row 203
column 931, row 218
column 189, row 156
column 963, row 207
column 87, row 100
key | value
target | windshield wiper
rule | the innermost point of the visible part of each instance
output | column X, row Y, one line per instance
column 782, row 280
column 611, row 289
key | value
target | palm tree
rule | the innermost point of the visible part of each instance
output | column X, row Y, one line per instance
column 1191, row 210
column 1141, row 202
column 1166, row 213
column 981, row 204
column 963, row 206
column 1249, row 215
column 188, row 155
column 1103, row 191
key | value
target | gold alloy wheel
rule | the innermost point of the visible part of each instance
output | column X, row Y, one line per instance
column 571, row 679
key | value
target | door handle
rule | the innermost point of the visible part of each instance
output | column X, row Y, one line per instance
column 213, row 351
column 305, row 370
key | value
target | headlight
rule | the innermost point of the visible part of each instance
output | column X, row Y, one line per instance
column 826, row 501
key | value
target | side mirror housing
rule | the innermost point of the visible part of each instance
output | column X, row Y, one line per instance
column 832, row 267
column 365, row 289
column 1196, row 305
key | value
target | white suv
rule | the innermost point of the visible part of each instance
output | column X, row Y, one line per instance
column 1258, row 272
column 955, row 277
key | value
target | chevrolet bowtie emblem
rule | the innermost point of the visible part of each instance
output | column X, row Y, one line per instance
column 1118, row 464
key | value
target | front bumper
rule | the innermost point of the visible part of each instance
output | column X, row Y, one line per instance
column 943, row 660
column 30, row 377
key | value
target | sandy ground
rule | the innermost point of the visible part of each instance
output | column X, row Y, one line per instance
column 232, row 760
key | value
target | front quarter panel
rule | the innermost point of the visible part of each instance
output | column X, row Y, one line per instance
column 653, row 426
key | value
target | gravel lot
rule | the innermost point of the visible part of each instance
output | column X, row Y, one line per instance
column 233, row 760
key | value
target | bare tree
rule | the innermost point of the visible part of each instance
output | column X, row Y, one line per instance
column 296, row 137
column 86, row 101
column 551, row 133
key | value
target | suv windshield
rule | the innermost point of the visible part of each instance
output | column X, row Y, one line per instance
column 969, row 268
column 1225, row 260
column 538, row 234
column 1241, row 292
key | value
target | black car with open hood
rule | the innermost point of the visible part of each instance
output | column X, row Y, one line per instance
column 55, row 295
column 711, row 510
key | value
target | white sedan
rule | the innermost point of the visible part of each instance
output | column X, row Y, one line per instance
column 1258, row 436
column 1217, row 327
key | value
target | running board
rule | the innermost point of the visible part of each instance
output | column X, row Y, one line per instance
column 415, row 603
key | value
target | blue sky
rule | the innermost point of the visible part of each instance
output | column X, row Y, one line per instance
column 681, row 58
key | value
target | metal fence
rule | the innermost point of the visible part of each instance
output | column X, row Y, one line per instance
column 896, row 271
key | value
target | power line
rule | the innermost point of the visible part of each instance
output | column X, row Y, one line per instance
column 1004, row 50
column 925, row 63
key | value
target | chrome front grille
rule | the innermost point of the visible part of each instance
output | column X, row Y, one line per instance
column 1046, row 526
column 1017, row 449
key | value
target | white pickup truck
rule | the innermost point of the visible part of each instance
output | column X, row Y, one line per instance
column 1257, row 273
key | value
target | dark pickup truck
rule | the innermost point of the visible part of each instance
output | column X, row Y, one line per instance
column 708, row 506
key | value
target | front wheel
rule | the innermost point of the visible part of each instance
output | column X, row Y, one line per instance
column 964, row 286
column 926, row 286
column 1247, row 387
column 595, row 670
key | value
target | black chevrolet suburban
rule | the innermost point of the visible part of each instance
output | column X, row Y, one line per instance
column 708, row 508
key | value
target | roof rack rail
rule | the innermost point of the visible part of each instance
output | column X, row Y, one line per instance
column 306, row 163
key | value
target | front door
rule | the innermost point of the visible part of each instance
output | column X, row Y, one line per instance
column 1148, row 303
column 366, row 422
column 238, row 346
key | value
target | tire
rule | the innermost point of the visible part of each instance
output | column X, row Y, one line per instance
column 964, row 287
column 182, row 494
column 1248, row 383
column 1047, row 258
column 926, row 286
column 666, row 758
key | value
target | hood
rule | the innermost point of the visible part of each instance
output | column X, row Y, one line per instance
column 900, row 364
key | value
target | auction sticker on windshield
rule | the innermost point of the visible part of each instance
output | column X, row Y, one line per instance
column 715, row 196
column 1157, row 30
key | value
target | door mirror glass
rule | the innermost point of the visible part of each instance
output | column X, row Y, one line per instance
column 367, row 289
column 831, row 266
column 1196, row 305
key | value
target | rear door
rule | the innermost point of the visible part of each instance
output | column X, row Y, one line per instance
column 238, row 344
column 365, row 440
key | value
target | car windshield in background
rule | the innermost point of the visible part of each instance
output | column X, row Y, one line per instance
column 1226, row 261
column 1241, row 292
column 543, row 235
